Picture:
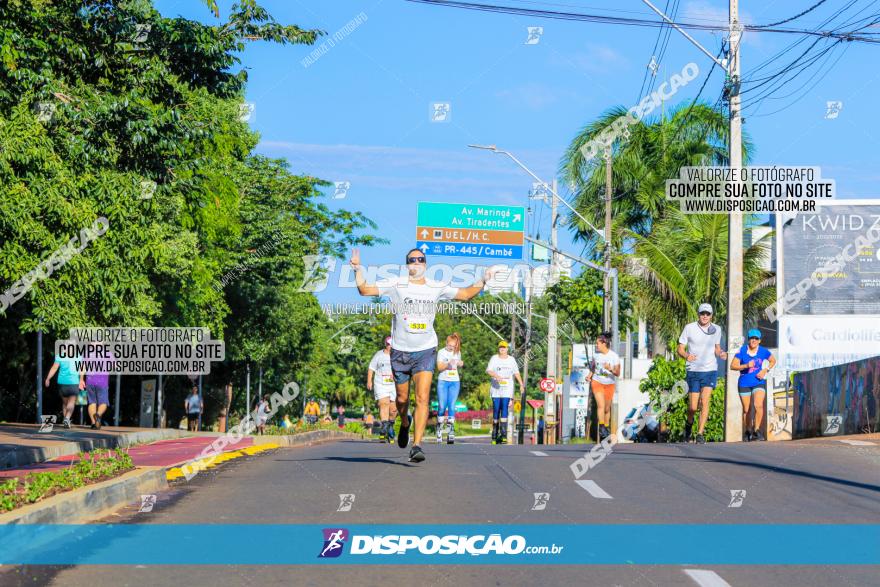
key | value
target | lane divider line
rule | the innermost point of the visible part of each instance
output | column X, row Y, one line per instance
column 590, row 486
column 705, row 578
column 856, row 442
column 538, row 453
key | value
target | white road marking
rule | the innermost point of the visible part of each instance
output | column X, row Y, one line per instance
column 856, row 442
column 538, row 453
column 706, row 578
column 594, row 489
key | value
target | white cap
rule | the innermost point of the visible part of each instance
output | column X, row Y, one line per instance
column 705, row 308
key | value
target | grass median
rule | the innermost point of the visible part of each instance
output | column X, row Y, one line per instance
column 89, row 468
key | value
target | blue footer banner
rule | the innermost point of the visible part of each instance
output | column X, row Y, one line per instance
column 295, row 544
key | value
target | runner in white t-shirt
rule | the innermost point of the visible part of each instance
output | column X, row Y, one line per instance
column 502, row 369
column 380, row 380
column 413, row 340
column 700, row 344
column 448, row 386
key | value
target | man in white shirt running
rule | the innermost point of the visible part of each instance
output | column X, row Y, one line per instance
column 380, row 380
column 699, row 345
column 502, row 369
column 413, row 340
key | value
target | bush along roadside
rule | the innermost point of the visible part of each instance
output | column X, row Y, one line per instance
column 89, row 468
column 662, row 376
column 298, row 428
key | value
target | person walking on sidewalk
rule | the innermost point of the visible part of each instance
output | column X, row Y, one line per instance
column 380, row 380
column 96, row 382
column 413, row 339
column 68, row 386
column 753, row 362
column 607, row 364
column 502, row 369
column 194, row 409
column 700, row 345
column 448, row 386
column 262, row 414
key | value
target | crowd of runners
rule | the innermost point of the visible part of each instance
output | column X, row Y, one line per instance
column 410, row 354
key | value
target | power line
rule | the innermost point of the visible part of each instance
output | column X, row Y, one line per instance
column 796, row 16
column 551, row 14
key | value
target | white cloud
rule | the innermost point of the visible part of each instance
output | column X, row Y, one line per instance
column 416, row 170
column 595, row 59
column 533, row 96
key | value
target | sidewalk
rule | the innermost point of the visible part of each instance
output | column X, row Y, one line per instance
column 23, row 444
column 163, row 453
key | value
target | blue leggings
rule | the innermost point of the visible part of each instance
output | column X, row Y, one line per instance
column 447, row 394
column 499, row 408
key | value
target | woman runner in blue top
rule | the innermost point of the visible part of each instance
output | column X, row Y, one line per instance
column 753, row 362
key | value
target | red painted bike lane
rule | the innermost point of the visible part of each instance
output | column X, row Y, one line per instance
column 163, row 453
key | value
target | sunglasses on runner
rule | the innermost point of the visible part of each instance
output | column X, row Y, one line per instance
column 416, row 260
column 705, row 313
column 754, row 338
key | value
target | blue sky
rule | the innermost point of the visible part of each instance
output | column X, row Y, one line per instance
column 360, row 112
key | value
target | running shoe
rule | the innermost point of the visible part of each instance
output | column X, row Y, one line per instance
column 688, row 426
column 439, row 433
column 758, row 436
column 450, row 436
column 603, row 432
column 416, row 455
column 748, row 435
column 403, row 435
column 701, row 439
column 66, row 423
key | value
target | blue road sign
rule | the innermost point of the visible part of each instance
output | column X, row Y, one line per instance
column 471, row 250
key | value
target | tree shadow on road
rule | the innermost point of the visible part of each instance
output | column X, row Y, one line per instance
column 766, row 467
column 351, row 460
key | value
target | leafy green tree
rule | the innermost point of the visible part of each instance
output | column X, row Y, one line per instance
column 110, row 110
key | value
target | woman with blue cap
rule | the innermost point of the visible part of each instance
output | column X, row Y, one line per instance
column 753, row 362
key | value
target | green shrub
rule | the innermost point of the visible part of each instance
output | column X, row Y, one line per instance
column 88, row 468
column 661, row 378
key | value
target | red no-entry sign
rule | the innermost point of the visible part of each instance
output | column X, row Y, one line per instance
column 548, row 385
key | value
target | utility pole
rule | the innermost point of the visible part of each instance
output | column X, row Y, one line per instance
column 550, row 413
column 527, row 346
column 552, row 335
column 40, row 374
column 247, row 407
column 732, row 410
column 606, row 307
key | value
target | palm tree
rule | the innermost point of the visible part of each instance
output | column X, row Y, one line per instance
column 675, row 260
column 683, row 263
column 653, row 152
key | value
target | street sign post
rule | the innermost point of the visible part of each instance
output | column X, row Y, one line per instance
column 470, row 230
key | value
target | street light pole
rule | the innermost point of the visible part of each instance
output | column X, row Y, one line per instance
column 732, row 417
column 605, row 308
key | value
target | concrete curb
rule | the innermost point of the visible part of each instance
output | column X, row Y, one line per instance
column 21, row 456
column 307, row 438
column 260, row 444
column 91, row 502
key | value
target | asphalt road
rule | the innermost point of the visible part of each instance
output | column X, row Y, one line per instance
column 474, row 482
